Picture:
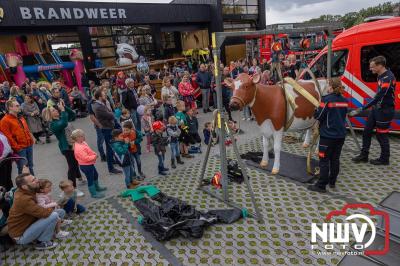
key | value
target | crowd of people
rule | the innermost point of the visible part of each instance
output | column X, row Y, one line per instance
column 128, row 119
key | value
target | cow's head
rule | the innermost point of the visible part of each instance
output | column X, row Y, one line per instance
column 244, row 90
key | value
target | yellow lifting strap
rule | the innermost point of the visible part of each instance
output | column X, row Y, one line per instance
column 302, row 91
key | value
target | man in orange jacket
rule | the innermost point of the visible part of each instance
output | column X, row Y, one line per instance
column 15, row 128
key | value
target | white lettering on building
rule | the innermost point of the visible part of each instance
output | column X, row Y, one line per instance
column 25, row 13
column 39, row 13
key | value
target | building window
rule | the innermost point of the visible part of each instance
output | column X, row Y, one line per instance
column 240, row 7
column 105, row 40
column 167, row 40
column 391, row 51
column 239, row 25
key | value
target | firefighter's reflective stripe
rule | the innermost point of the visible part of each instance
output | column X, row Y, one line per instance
column 334, row 105
column 382, row 130
column 385, row 85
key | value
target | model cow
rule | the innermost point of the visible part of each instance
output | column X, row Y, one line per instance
column 270, row 107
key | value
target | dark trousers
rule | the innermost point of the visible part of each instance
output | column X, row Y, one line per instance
column 135, row 157
column 5, row 174
column 380, row 119
column 109, row 153
column 73, row 166
column 329, row 160
column 100, row 142
column 90, row 173
column 69, row 207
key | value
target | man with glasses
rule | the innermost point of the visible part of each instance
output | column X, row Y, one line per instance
column 14, row 127
column 27, row 221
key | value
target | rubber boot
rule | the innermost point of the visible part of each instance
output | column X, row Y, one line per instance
column 98, row 187
column 179, row 160
column 94, row 193
column 173, row 165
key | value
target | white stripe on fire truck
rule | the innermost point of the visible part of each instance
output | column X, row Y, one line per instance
column 359, row 84
column 353, row 93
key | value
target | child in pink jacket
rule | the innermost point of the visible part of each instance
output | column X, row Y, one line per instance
column 86, row 158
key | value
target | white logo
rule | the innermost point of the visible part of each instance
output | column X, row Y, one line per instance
column 340, row 233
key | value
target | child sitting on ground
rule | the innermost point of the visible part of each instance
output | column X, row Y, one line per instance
column 120, row 146
column 174, row 132
column 86, row 159
column 135, row 137
column 68, row 199
column 43, row 198
column 160, row 142
column 184, row 138
column 209, row 134
column 147, row 122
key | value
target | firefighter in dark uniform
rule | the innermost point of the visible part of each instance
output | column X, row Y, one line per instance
column 381, row 114
column 332, row 119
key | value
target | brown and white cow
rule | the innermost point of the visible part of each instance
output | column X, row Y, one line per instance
column 269, row 106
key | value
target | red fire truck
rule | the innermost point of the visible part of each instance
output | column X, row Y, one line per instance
column 352, row 51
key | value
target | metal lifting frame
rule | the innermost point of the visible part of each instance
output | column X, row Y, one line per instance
column 218, row 39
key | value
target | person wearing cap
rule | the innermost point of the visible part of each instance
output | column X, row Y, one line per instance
column 160, row 141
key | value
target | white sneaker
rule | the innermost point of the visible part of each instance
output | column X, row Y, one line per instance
column 62, row 234
column 244, row 118
column 66, row 222
column 79, row 193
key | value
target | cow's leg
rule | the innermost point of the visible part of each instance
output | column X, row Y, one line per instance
column 307, row 138
column 277, row 150
column 265, row 158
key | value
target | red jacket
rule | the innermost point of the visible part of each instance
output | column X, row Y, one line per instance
column 17, row 132
column 185, row 89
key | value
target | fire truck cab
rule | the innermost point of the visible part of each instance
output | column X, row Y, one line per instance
column 352, row 50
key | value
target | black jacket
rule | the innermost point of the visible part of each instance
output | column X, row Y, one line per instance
column 159, row 142
column 193, row 124
column 332, row 116
column 204, row 79
column 384, row 97
column 103, row 115
column 129, row 99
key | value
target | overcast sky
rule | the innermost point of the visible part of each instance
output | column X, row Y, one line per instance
column 287, row 11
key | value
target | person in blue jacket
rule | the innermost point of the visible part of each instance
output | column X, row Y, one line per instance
column 331, row 115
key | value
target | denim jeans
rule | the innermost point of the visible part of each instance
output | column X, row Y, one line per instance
column 69, row 207
column 174, row 149
column 107, row 138
column 90, row 173
column 27, row 153
column 43, row 229
column 135, row 157
column 205, row 95
column 136, row 119
column 161, row 158
column 129, row 173
column 100, row 141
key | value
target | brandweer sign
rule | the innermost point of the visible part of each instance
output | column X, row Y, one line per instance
column 39, row 13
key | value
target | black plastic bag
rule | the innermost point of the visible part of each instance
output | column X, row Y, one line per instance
column 168, row 217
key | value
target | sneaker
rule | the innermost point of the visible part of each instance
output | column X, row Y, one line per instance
column 162, row 173
column 132, row 186
column 66, row 222
column 332, row 185
column 62, row 234
column 142, row 176
column 379, row 162
column 316, row 188
column 360, row 159
column 115, row 171
column 244, row 118
column 46, row 245
column 79, row 193
column 135, row 182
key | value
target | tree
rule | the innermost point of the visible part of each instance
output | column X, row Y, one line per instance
column 354, row 18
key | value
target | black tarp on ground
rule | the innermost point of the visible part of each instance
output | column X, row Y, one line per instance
column 292, row 166
column 167, row 217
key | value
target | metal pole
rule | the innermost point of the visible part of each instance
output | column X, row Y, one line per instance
column 220, row 117
column 329, row 59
